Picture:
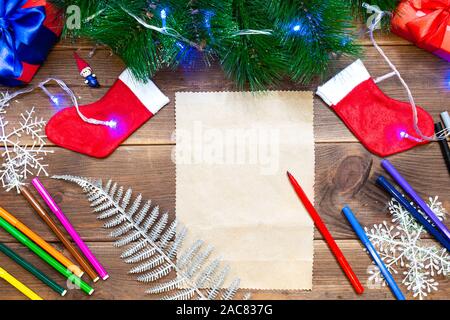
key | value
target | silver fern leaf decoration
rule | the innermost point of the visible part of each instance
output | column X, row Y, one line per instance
column 153, row 245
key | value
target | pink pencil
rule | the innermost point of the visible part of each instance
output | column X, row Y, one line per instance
column 69, row 228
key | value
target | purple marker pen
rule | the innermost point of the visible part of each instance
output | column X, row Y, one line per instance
column 415, row 197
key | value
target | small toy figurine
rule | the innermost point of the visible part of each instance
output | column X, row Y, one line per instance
column 86, row 72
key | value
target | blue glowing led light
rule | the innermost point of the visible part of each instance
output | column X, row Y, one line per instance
column 180, row 45
column 55, row 100
column 447, row 80
column 163, row 17
column 345, row 41
column 299, row 29
column 208, row 15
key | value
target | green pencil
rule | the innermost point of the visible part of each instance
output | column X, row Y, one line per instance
column 32, row 269
column 45, row 256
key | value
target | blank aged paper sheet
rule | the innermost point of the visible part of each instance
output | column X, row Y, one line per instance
column 233, row 151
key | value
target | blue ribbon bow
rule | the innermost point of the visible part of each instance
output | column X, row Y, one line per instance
column 17, row 26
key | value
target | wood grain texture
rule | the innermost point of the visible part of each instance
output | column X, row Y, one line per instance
column 345, row 171
column 345, row 174
column 328, row 283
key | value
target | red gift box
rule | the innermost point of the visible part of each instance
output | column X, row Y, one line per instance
column 28, row 31
column 425, row 23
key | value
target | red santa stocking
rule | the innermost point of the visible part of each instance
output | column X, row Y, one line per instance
column 385, row 126
column 125, row 107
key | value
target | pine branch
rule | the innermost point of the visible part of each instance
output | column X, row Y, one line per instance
column 253, row 39
column 312, row 32
column 147, row 234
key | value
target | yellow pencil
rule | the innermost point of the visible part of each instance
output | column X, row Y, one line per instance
column 18, row 285
column 41, row 242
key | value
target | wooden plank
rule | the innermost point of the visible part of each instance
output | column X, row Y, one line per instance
column 345, row 171
column 345, row 174
column 329, row 282
column 148, row 170
column 382, row 38
column 428, row 81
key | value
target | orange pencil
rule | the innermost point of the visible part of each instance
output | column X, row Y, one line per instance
column 41, row 242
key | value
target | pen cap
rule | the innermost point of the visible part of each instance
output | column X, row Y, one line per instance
column 397, row 176
column 383, row 182
column 8, row 217
column 441, row 134
column 45, row 195
column 446, row 119
column 393, row 192
column 438, row 128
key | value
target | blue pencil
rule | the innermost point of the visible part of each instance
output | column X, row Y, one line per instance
column 382, row 181
column 373, row 253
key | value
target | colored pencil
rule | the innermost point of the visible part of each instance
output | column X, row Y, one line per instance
column 415, row 197
column 327, row 236
column 40, row 242
column 59, row 233
column 45, row 256
column 69, row 228
column 444, row 145
column 32, row 269
column 382, row 181
column 373, row 253
column 18, row 285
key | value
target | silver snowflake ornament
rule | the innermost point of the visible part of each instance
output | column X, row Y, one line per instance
column 19, row 161
column 403, row 251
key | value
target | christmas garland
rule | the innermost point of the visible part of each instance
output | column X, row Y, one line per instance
column 258, row 42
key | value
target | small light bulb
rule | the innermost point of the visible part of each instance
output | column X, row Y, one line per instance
column 296, row 28
column 54, row 99
column 405, row 135
column 163, row 18
column 112, row 124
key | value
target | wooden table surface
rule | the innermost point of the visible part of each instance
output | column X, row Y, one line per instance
column 345, row 171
